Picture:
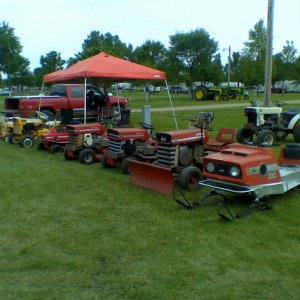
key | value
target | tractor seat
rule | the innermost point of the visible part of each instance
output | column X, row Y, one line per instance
column 224, row 137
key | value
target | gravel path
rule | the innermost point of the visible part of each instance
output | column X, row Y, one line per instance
column 205, row 107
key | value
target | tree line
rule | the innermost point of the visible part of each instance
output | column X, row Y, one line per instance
column 192, row 56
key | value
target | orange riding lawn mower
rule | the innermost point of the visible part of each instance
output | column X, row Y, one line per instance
column 179, row 156
column 250, row 172
column 129, row 144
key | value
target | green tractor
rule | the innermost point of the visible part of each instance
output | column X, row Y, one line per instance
column 218, row 93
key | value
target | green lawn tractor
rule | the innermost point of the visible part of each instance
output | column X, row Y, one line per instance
column 218, row 93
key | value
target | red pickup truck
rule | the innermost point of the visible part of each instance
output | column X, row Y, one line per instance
column 63, row 96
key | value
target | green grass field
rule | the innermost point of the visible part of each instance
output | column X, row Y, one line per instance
column 70, row 231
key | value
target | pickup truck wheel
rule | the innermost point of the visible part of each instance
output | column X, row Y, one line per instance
column 189, row 178
column 50, row 114
column 87, row 156
column 266, row 137
column 244, row 136
column 296, row 132
column 26, row 141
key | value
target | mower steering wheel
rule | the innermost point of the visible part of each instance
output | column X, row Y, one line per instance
column 280, row 103
column 146, row 126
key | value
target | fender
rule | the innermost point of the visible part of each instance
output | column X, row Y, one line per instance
column 293, row 121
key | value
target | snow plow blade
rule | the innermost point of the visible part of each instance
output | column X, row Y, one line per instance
column 151, row 177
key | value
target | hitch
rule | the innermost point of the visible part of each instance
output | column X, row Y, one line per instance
column 254, row 208
column 203, row 201
column 223, row 210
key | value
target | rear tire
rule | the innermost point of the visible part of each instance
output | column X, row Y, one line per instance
column 87, row 156
column 12, row 139
column 266, row 137
column 244, row 136
column 104, row 163
column 280, row 135
column 54, row 148
column 189, row 178
column 296, row 132
column 200, row 93
column 124, row 164
column 26, row 141
column 41, row 147
column 67, row 157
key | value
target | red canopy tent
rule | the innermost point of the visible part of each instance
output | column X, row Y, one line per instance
column 104, row 65
column 107, row 66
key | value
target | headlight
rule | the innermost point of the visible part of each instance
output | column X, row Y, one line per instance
column 210, row 167
column 235, row 171
column 263, row 169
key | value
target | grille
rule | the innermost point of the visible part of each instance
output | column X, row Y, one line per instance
column 114, row 146
column 166, row 155
column 222, row 169
column 75, row 139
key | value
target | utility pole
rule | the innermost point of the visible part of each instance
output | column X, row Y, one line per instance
column 229, row 67
column 269, row 53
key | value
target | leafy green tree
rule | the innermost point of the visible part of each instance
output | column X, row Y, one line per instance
column 12, row 63
column 296, row 69
column 283, row 63
column 10, row 48
column 19, row 72
column 193, row 53
column 97, row 42
column 235, row 73
column 253, row 56
column 50, row 62
column 151, row 54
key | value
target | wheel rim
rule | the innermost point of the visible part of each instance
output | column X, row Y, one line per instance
column 27, row 143
column 268, row 139
column 199, row 95
column 88, row 158
column 193, row 182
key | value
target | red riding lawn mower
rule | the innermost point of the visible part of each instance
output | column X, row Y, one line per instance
column 129, row 143
column 54, row 140
column 87, row 142
column 247, row 171
column 179, row 158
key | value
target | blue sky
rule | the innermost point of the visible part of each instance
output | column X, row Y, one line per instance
column 62, row 25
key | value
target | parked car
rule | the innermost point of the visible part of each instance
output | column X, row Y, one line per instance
column 178, row 90
column 5, row 92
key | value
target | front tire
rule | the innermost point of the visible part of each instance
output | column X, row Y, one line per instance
column 244, row 136
column 189, row 178
column 12, row 138
column 266, row 137
column 124, row 165
column 87, row 156
column 54, row 149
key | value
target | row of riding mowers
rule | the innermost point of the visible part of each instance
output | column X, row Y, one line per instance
column 188, row 157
